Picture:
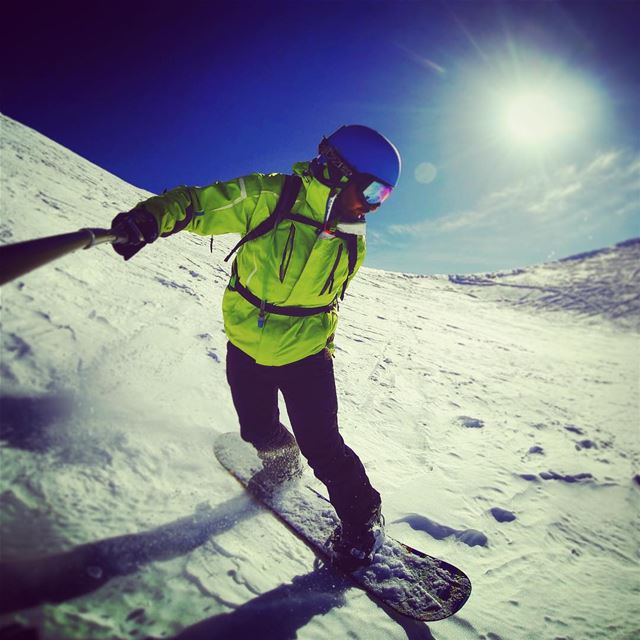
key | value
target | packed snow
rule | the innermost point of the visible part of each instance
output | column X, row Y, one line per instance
column 499, row 423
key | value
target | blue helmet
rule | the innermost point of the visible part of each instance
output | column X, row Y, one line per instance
column 360, row 149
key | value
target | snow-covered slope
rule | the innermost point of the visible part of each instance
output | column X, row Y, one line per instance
column 595, row 285
column 503, row 439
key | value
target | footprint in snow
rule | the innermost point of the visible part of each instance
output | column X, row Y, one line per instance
column 586, row 444
column 574, row 429
column 470, row 537
column 502, row 515
column 17, row 346
column 192, row 273
column 576, row 477
column 471, row 423
column 174, row 285
column 94, row 316
column 552, row 475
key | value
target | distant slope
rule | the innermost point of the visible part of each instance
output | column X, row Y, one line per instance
column 598, row 284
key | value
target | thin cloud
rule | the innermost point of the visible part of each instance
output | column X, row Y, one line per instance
column 608, row 185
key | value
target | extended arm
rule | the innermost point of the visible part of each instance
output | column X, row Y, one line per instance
column 222, row 207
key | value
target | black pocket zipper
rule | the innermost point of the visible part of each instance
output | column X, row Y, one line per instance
column 287, row 253
column 328, row 285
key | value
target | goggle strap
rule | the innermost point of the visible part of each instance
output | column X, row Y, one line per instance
column 333, row 157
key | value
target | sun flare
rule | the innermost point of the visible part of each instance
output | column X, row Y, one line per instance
column 536, row 119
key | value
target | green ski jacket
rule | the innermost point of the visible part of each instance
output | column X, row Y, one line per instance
column 290, row 266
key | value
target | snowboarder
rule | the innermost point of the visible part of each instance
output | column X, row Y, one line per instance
column 302, row 243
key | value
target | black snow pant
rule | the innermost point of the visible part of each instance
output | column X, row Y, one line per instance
column 309, row 390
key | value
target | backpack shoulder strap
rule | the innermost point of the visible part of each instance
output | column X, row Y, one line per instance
column 352, row 248
column 287, row 199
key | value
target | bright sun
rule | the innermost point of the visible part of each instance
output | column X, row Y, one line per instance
column 536, row 119
column 526, row 108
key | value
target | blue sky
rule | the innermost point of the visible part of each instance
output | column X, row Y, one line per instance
column 517, row 122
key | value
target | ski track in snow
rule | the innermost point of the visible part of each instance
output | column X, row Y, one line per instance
column 475, row 407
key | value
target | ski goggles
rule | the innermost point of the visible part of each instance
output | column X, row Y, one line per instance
column 375, row 193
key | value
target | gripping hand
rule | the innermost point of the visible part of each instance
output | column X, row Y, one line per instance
column 135, row 229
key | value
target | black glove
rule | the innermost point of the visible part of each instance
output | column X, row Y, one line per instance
column 135, row 229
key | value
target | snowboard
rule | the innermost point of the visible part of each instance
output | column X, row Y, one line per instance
column 409, row 581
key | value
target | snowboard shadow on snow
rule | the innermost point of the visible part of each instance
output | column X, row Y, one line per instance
column 280, row 613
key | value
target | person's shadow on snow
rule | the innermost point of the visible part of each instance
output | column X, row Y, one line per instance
column 86, row 568
column 274, row 615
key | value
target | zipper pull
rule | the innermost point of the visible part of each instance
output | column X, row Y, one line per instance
column 262, row 314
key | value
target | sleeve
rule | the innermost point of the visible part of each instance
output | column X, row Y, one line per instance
column 222, row 207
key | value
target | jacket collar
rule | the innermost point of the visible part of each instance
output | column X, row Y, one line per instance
column 316, row 193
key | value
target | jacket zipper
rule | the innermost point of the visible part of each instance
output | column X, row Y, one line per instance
column 328, row 285
column 287, row 253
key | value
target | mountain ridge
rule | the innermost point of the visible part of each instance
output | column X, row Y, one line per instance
column 596, row 284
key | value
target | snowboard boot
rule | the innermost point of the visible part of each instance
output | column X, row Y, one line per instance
column 352, row 546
